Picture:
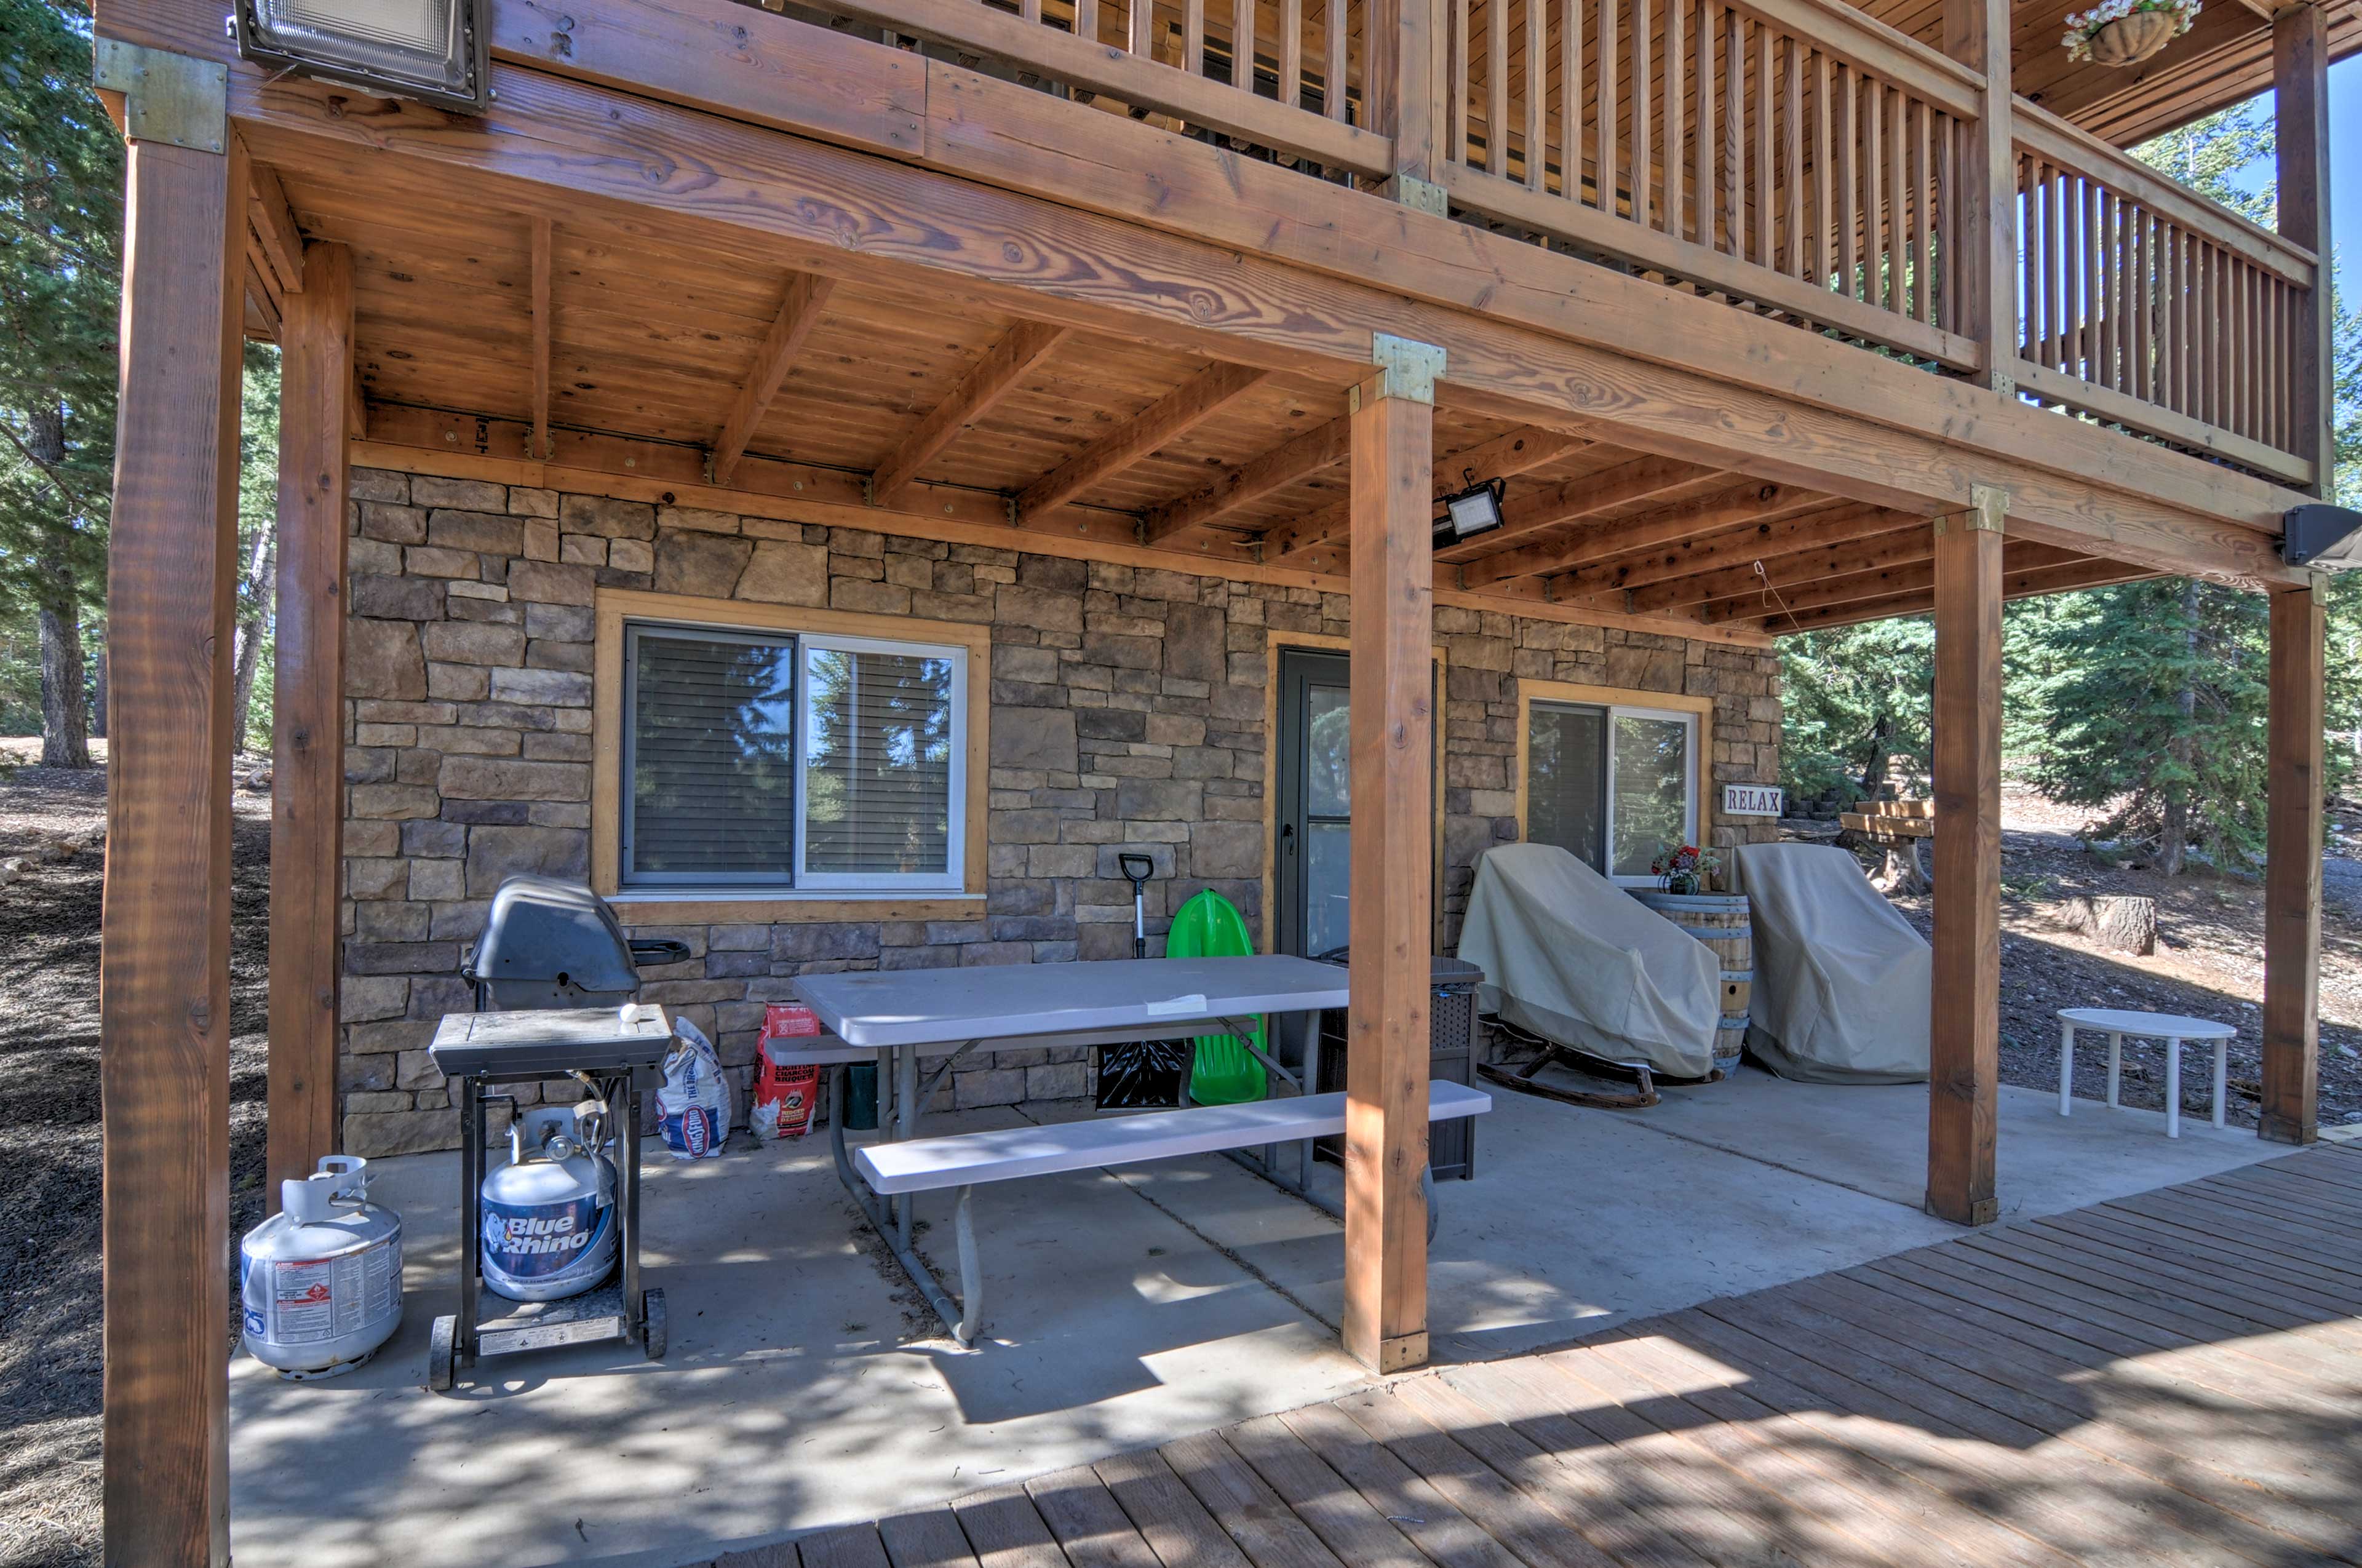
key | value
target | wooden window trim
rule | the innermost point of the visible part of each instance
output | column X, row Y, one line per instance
column 1612, row 697
column 642, row 906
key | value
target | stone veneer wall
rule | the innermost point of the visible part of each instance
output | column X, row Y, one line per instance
column 1128, row 711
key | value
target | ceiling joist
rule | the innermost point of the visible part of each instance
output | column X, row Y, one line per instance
column 544, row 239
column 1588, row 558
column 1904, row 539
column 1167, row 420
column 272, row 227
column 1576, row 500
column 991, row 379
column 2027, row 584
column 800, row 312
column 1504, row 456
column 1903, row 576
column 1289, row 463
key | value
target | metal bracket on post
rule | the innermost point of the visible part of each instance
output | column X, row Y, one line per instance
column 1407, row 369
column 1988, row 505
column 176, row 99
column 1421, row 195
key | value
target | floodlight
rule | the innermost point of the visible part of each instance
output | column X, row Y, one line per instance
column 2324, row 538
column 1474, row 510
column 435, row 50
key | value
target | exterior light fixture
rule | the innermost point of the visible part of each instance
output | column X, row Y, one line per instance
column 1476, row 510
column 2324, row 538
column 437, row 51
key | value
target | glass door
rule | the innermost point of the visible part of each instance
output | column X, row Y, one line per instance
column 1315, row 808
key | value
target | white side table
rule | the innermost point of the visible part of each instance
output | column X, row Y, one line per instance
column 2165, row 1026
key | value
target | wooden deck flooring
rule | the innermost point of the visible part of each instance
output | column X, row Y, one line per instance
column 2171, row 1379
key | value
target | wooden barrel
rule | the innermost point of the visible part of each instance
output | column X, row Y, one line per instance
column 1723, row 923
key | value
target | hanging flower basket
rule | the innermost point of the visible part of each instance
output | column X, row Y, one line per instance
column 2126, row 32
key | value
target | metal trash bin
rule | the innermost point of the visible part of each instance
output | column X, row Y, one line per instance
column 1451, row 1035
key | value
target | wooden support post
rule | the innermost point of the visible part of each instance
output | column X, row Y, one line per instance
column 1401, row 83
column 1983, row 275
column 2292, row 871
column 1393, row 895
column 307, row 729
column 2300, row 110
column 165, row 943
column 1965, row 1026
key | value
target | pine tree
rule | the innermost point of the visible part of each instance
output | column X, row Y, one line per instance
column 1854, row 698
column 61, row 272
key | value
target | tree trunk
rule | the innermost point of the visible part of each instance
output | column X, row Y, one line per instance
column 98, row 693
column 2173, row 834
column 65, row 713
column 256, row 599
column 2120, row 923
column 1873, row 773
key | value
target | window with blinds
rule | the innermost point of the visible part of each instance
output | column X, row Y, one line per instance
column 1613, row 786
column 770, row 759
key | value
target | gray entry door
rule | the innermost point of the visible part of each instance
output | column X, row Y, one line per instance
column 1314, row 808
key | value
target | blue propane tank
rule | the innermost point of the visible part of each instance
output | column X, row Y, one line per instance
column 320, row 1281
column 549, row 1214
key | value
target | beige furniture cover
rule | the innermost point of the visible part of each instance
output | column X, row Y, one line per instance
column 1841, row 980
column 1572, row 957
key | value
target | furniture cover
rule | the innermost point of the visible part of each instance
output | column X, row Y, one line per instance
column 1571, row 956
column 1841, row 980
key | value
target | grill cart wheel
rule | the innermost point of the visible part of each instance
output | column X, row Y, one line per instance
column 439, row 1354
column 652, row 1326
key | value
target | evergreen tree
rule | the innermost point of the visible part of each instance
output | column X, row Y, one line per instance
column 2147, row 701
column 1854, row 698
column 61, row 272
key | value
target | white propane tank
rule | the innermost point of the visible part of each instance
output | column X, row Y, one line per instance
column 321, row 1280
column 549, row 1213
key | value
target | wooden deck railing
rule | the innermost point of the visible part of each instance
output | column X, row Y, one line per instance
column 2147, row 305
column 1795, row 159
column 1187, row 62
column 1792, row 156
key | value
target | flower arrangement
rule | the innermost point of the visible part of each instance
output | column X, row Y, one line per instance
column 1684, row 869
column 2119, row 32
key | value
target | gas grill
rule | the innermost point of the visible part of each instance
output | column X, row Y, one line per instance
column 557, row 987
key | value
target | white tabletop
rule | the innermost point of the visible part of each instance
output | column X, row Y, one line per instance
column 2162, row 1025
column 1141, row 998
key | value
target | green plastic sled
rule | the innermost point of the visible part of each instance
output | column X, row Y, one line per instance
column 1210, row 926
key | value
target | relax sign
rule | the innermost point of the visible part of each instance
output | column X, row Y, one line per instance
column 1751, row 800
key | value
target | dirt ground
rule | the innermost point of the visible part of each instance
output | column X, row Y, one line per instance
column 49, row 1160
column 2209, row 962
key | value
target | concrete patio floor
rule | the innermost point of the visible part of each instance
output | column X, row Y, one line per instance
column 805, row 1386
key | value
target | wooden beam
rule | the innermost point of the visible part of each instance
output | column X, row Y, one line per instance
column 1587, row 558
column 1285, row 464
column 1985, row 200
column 307, row 714
column 1322, row 533
column 1964, row 1034
column 1903, row 575
column 991, row 379
column 544, row 324
column 1903, row 539
column 2295, row 781
column 262, row 296
column 2029, row 582
column 164, row 935
column 800, row 312
column 276, row 234
column 1168, row 419
column 1392, row 724
column 1534, row 510
column 2301, row 108
column 1400, row 90
column 1835, row 524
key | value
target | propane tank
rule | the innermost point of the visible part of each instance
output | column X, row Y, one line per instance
column 321, row 1280
column 549, row 1213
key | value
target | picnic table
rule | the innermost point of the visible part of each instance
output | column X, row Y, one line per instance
column 905, row 1018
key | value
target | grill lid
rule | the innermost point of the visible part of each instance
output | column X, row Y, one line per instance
column 540, row 928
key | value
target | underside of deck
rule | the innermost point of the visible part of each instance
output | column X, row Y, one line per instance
column 2168, row 1378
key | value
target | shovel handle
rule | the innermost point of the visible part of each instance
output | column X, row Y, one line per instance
column 1136, row 869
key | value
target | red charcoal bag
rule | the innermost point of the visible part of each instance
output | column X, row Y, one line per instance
column 783, row 1099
